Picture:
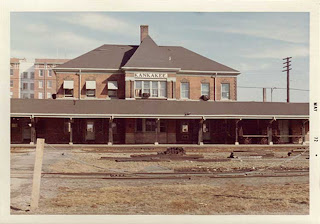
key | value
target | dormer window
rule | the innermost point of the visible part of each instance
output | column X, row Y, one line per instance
column 68, row 88
column 91, row 89
column 113, row 89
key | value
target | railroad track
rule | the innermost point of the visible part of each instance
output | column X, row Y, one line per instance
column 168, row 175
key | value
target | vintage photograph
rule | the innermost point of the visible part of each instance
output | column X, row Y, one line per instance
column 159, row 113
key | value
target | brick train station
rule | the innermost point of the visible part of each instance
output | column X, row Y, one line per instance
column 150, row 94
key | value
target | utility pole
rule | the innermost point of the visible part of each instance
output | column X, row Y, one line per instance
column 287, row 66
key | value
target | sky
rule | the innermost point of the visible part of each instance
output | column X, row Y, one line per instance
column 252, row 43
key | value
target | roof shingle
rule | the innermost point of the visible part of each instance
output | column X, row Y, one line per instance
column 147, row 55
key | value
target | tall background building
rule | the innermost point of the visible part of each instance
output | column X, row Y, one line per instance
column 33, row 79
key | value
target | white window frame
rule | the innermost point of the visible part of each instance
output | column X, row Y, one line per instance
column 41, row 72
column 202, row 91
column 49, row 86
column 150, row 89
column 229, row 97
column 11, row 94
column 181, row 95
column 40, row 86
column 31, row 75
column 40, row 95
column 49, row 95
column 50, row 73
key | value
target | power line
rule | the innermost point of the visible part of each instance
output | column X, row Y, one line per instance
column 252, row 87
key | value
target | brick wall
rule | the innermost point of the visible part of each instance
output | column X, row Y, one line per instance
column 101, row 84
column 15, row 79
column 45, row 90
column 195, row 86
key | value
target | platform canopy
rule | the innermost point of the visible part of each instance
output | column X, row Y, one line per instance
column 120, row 108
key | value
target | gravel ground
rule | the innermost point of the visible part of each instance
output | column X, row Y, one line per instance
column 268, row 195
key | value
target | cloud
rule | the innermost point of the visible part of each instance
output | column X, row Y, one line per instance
column 36, row 28
column 280, row 52
column 286, row 27
column 98, row 22
column 73, row 39
column 245, row 67
column 288, row 34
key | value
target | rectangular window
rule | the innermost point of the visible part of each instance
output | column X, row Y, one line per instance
column 163, row 89
column 113, row 89
column 49, row 96
column 24, row 86
column 185, row 91
column 146, row 87
column 138, row 88
column 150, row 125
column 25, row 75
column 49, row 73
column 11, row 71
column 25, row 96
column 113, row 93
column 163, row 126
column 11, row 83
column 91, row 93
column 31, row 86
column 68, row 92
column 154, row 88
column 138, row 125
column 205, row 89
column 49, row 84
column 40, row 95
column 31, row 75
column 41, row 73
column 225, row 91
column 11, row 94
column 41, row 84
column 31, row 96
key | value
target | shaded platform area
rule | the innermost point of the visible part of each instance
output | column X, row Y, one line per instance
column 158, row 122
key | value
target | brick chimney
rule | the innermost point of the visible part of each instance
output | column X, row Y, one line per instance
column 144, row 31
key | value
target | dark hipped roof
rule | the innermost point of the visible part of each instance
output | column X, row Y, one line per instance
column 104, row 57
column 154, row 108
column 148, row 55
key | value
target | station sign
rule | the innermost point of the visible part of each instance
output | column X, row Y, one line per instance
column 151, row 75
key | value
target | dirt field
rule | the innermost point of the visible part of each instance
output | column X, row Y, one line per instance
column 197, row 194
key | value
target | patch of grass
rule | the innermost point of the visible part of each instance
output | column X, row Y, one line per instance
column 187, row 199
